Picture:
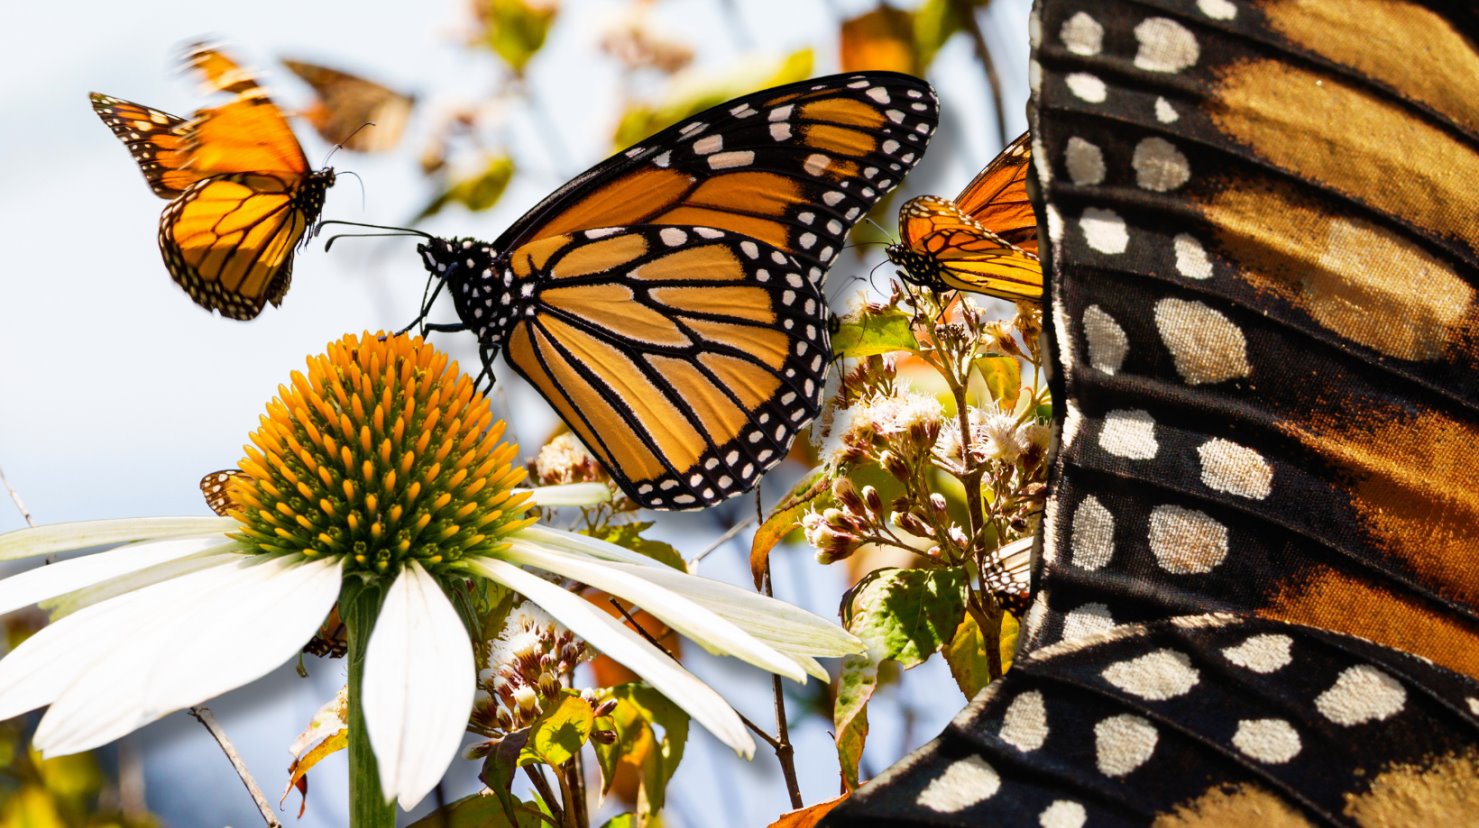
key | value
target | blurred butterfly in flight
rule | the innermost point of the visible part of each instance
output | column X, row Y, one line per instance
column 985, row 241
column 351, row 111
column 667, row 302
column 241, row 193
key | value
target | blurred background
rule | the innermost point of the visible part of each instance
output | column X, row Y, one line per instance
column 117, row 393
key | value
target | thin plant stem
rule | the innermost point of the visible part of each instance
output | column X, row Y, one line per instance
column 546, row 793
column 785, row 753
column 16, row 497
column 967, row 16
column 724, row 538
column 204, row 716
column 567, row 796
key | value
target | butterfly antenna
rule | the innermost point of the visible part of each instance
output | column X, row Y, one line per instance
column 389, row 231
column 347, row 138
column 881, row 228
column 361, row 183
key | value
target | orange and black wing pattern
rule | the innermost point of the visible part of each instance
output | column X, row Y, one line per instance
column 216, row 488
column 985, row 241
column 154, row 139
column 242, row 193
column 668, row 301
column 351, row 111
column 1255, row 593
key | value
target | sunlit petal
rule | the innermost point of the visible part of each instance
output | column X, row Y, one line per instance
column 419, row 683
column 585, row 545
column 569, row 494
column 45, row 582
column 784, row 626
column 207, row 633
column 65, row 537
column 626, row 647
column 705, row 628
column 71, row 602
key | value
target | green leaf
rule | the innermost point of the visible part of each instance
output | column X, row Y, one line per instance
column 477, row 192
column 559, row 733
column 866, row 334
column 966, row 655
column 907, row 614
column 855, row 686
column 640, row 121
column 629, row 536
column 516, row 29
column 814, row 488
column 482, row 810
column 499, row 768
column 651, row 733
column 626, row 820
column 1003, row 376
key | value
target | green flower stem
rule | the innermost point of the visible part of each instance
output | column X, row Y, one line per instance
column 359, row 605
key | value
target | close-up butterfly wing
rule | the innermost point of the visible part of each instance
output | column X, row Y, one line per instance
column 685, row 358
column 985, row 241
column 243, row 195
column 1263, row 265
column 667, row 302
column 154, row 139
column 351, row 111
column 795, row 167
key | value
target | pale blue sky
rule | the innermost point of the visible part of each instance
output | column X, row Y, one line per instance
column 117, row 393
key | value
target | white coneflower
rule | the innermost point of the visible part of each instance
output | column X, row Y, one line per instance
column 377, row 480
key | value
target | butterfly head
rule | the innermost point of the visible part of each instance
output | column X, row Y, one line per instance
column 482, row 286
column 917, row 268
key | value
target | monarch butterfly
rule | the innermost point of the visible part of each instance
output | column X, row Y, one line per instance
column 332, row 639
column 667, row 301
column 984, row 241
column 351, row 111
column 241, row 193
column 1256, row 598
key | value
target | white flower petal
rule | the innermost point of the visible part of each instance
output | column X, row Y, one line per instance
column 418, row 688
column 569, row 494
column 784, row 626
column 43, row 582
column 65, row 537
column 613, row 639
column 585, row 545
column 71, row 602
column 191, row 639
column 705, row 628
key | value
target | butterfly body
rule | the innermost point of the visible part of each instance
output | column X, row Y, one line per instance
column 714, row 357
column 242, row 195
column 984, row 241
column 667, row 302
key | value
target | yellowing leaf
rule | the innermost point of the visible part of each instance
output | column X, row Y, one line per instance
column 783, row 518
column 558, row 734
column 855, row 686
column 808, row 817
column 1008, row 641
column 476, row 192
column 515, row 29
column 880, row 39
column 1003, row 376
column 966, row 655
column 640, row 714
column 866, row 334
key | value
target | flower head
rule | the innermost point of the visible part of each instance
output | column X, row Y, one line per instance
column 379, row 471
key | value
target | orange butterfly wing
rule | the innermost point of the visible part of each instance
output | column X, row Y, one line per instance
column 352, row 111
column 794, row 169
column 985, row 241
column 997, row 196
column 154, row 138
column 243, row 195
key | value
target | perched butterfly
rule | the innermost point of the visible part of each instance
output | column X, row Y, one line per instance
column 332, row 639
column 1256, row 594
column 242, row 194
column 984, row 241
column 353, row 112
column 667, row 301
